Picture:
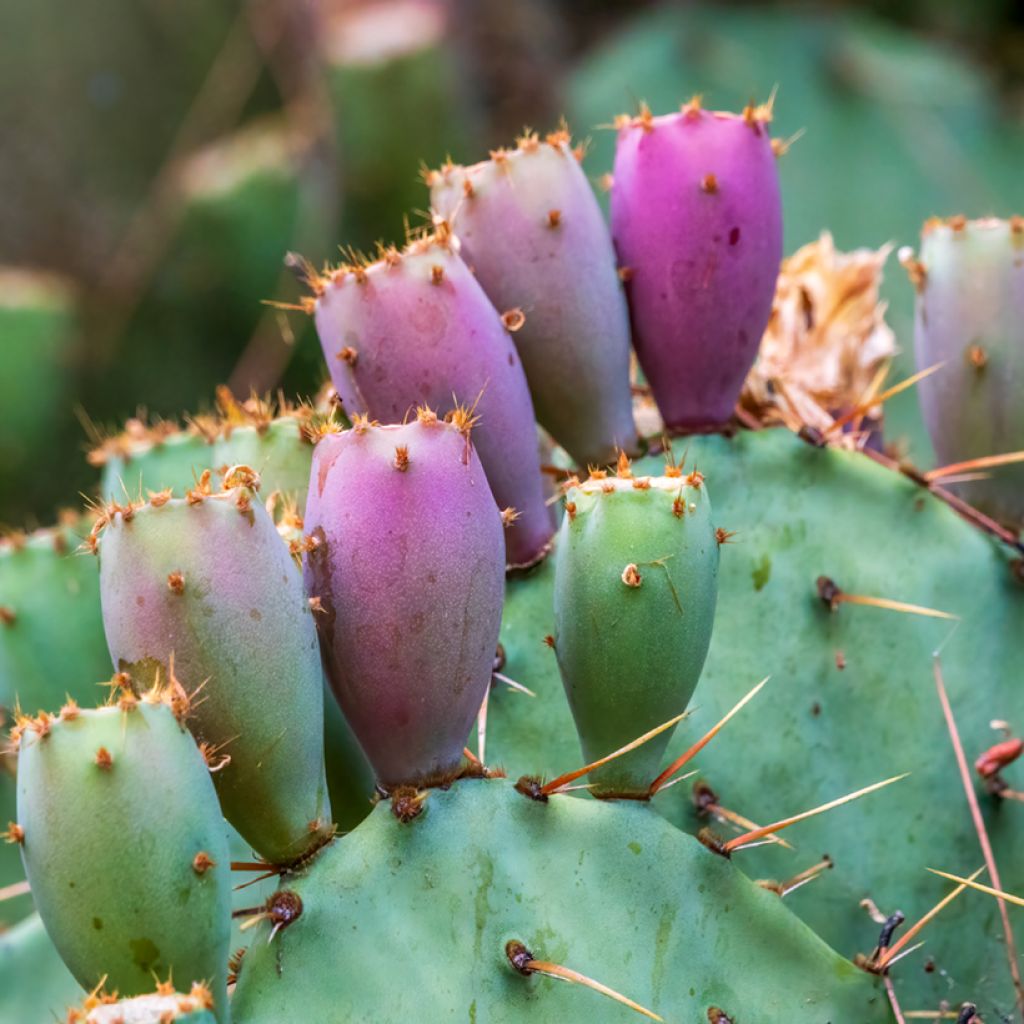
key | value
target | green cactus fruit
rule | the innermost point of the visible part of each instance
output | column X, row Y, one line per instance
column 636, row 581
column 423, row 915
column 273, row 439
column 44, row 581
column 851, row 698
column 202, row 589
column 970, row 319
column 124, row 845
column 51, row 631
column 35, row 985
column 165, row 1006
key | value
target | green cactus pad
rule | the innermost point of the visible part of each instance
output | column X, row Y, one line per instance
column 205, row 580
column 418, row 916
column 124, row 846
column 635, row 587
column 851, row 699
column 35, row 986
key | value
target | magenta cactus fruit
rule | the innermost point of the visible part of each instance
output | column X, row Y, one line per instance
column 697, row 222
column 407, row 563
column 970, row 319
column 535, row 202
column 201, row 589
column 415, row 328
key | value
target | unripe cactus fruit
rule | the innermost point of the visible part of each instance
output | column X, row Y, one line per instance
column 636, row 580
column 697, row 222
column 125, row 846
column 535, row 202
column 165, row 1006
column 970, row 318
column 407, row 562
column 271, row 437
column 203, row 587
column 416, row 328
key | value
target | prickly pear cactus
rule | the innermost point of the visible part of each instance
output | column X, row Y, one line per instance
column 970, row 302
column 434, row 588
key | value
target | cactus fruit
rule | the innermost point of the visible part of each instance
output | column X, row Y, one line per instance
column 640, row 552
column 536, row 201
column 406, row 564
column 697, row 222
column 43, row 581
column 162, row 1007
column 202, row 588
column 441, row 902
column 271, row 437
column 970, row 305
column 124, row 846
column 415, row 328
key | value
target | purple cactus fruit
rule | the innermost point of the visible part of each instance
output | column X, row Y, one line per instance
column 532, row 230
column 407, row 559
column 697, row 222
column 415, row 328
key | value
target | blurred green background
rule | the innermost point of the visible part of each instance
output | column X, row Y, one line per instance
column 160, row 158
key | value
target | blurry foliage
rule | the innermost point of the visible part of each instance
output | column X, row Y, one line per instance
column 166, row 154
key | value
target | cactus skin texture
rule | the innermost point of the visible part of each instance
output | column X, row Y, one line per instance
column 970, row 317
column 51, row 630
column 671, row 929
column 408, row 566
column 206, row 579
column 416, row 328
column 125, row 847
column 35, row 985
column 697, row 221
column 536, row 202
column 836, row 678
column 636, row 582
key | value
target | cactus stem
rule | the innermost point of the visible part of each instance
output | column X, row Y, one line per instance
column 557, row 785
column 888, row 956
column 662, row 779
column 748, row 839
column 523, row 961
column 979, row 827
